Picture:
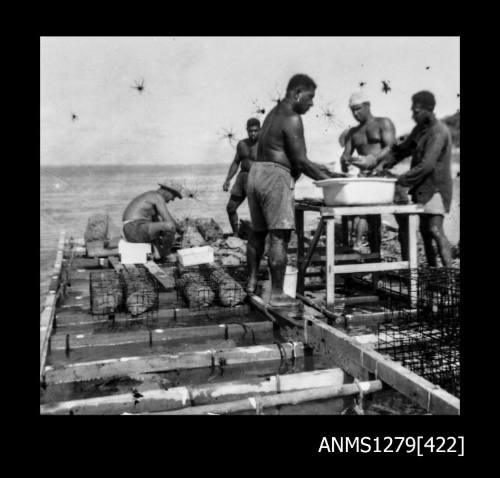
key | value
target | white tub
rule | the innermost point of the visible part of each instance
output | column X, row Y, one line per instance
column 357, row 191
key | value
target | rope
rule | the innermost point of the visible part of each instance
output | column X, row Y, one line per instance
column 293, row 349
column 281, row 349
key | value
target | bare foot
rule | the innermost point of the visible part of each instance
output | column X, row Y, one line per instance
column 251, row 286
column 283, row 300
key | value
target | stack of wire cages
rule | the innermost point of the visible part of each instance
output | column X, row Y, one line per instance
column 141, row 293
column 422, row 326
column 193, row 288
column 228, row 291
column 207, row 285
column 106, row 294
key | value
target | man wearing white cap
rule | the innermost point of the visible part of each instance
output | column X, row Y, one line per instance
column 147, row 219
column 371, row 140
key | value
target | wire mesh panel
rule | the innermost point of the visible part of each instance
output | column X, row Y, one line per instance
column 141, row 292
column 422, row 329
column 106, row 293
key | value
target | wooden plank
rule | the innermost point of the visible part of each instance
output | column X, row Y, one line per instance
column 312, row 248
column 299, row 227
column 370, row 318
column 47, row 315
column 318, row 307
column 155, row 336
column 370, row 267
column 126, row 366
column 373, row 339
column 167, row 317
column 373, row 209
column 166, row 280
column 116, row 264
column 258, row 402
column 412, row 255
column 330, row 259
column 181, row 397
column 346, row 349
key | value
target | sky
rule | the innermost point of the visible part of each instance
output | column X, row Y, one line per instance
column 195, row 88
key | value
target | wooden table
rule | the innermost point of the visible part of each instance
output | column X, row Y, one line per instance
column 327, row 221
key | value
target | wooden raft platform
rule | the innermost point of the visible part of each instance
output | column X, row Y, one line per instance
column 216, row 360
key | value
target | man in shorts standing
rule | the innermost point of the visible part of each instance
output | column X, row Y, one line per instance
column 429, row 177
column 147, row 219
column 246, row 153
column 281, row 158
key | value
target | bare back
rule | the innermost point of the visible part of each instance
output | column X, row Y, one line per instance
column 144, row 206
column 272, row 146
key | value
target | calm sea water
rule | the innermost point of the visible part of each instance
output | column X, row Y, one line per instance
column 69, row 195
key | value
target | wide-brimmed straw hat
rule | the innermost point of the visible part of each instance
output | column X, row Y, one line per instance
column 174, row 187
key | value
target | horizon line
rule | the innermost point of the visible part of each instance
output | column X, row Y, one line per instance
column 129, row 164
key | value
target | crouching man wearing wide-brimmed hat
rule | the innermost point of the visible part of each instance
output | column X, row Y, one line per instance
column 147, row 219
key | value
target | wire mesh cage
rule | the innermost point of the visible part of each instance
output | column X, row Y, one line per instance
column 194, row 288
column 141, row 293
column 106, row 294
column 422, row 327
column 229, row 292
column 209, row 285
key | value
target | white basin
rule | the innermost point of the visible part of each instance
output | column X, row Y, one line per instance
column 357, row 191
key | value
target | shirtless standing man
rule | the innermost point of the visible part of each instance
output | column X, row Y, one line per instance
column 246, row 153
column 281, row 158
column 371, row 140
column 147, row 219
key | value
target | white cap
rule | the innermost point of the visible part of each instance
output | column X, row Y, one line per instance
column 358, row 98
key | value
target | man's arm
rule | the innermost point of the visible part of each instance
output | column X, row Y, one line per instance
column 397, row 152
column 295, row 147
column 388, row 139
column 347, row 154
column 164, row 213
column 433, row 148
column 233, row 169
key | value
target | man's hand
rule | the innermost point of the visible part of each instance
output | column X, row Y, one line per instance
column 179, row 228
column 225, row 186
column 344, row 165
column 364, row 162
column 331, row 174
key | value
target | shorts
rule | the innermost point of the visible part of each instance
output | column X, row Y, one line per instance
column 435, row 205
column 239, row 188
column 137, row 231
column 271, row 199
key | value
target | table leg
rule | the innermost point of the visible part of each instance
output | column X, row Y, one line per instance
column 375, row 232
column 330, row 259
column 299, row 228
column 312, row 246
column 345, row 231
column 412, row 256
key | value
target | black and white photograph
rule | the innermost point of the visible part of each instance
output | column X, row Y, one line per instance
column 250, row 225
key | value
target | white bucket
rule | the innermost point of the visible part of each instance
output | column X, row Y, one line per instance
column 290, row 284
